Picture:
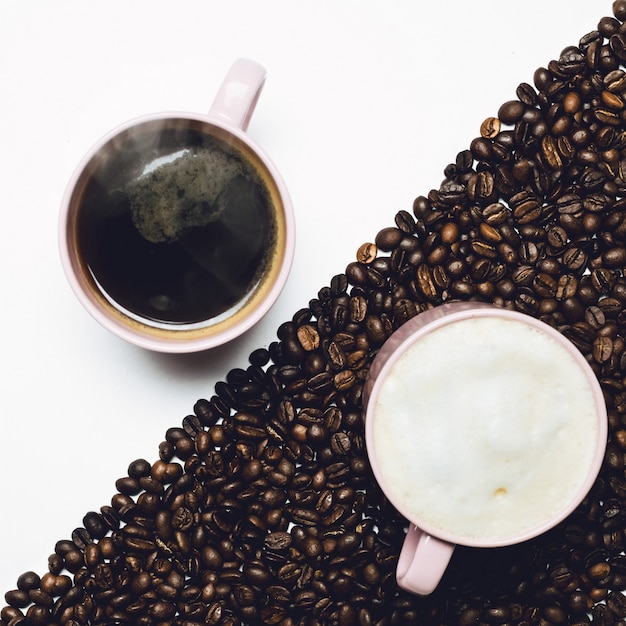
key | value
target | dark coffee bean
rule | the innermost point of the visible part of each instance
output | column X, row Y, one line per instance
column 259, row 357
column 574, row 258
column 95, row 525
column 338, row 285
column 497, row 614
column 481, row 187
column 256, row 573
column 375, row 330
column 405, row 222
column 602, row 280
column 128, row 486
column 139, row 545
column 481, row 149
column 528, row 252
column 484, row 249
column 225, row 394
column 545, row 285
column 523, row 275
column 139, row 468
column 388, row 238
column 17, row 598
column 28, row 580
column 278, row 541
column 450, row 193
column 357, row 273
column 567, row 287
column 358, row 308
column 557, row 237
column 618, row 45
column 569, row 203
column 205, row 413
column 616, row 601
column 305, row 517
column 527, row 208
column 615, row 257
column 340, row 443
column 526, row 94
column 512, row 111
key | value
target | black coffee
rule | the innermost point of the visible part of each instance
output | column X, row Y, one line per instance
column 175, row 225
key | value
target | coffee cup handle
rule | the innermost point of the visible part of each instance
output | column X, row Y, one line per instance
column 237, row 97
column 423, row 561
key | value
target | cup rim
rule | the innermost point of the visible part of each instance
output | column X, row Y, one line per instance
column 408, row 334
column 175, row 341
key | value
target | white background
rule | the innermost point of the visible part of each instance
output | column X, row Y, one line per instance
column 365, row 104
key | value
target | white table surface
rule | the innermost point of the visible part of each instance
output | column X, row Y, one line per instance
column 365, row 104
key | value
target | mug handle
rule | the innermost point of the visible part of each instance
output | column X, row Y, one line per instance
column 237, row 97
column 423, row 561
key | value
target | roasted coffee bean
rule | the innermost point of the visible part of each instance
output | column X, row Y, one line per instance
column 450, row 192
column 345, row 379
column 574, row 258
column 545, row 285
column 550, row 153
column 139, row 468
column 481, row 187
column 306, row 517
column 526, row 208
column 615, row 257
column 567, row 287
column 366, row 253
column 512, row 111
column 128, row 486
column 603, row 280
column 526, row 94
column 490, row 127
column 17, row 598
column 569, row 203
column 523, row 275
column 340, row 443
column 528, row 252
column 405, row 222
column 616, row 602
column 602, row 349
column 278, row 541
column 358, row 308
column 388, row 238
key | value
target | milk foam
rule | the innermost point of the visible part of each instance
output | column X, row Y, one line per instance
column 485, row 428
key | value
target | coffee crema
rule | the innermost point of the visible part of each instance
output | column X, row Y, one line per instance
column 484, row 429
column 176, row 226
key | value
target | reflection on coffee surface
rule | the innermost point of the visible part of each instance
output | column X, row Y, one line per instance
column 176, row 227
column 485, row 428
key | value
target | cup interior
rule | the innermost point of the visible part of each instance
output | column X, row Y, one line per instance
column 177, row 232
column 448, row 470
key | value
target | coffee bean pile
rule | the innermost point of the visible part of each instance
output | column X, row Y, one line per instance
column 262, row 508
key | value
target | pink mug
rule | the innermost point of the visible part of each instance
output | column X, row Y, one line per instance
column 176, row 230
column 484, row 427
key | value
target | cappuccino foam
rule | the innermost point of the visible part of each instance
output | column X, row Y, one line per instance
column 484, row 429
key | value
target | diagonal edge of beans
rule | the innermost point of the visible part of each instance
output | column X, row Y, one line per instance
column 261, row 507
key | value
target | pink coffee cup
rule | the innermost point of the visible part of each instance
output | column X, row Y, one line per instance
column 484, row 427
column 176, row 230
